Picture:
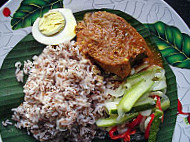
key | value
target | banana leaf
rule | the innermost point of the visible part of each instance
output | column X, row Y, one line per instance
column 11, row 92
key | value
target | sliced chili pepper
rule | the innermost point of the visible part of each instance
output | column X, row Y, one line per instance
column 127, row 138
column 149, row 125
column 158, row 102
column 114, row 137
column 135, row 122
column 158, row 105
column 112, row 131
column 126, row 135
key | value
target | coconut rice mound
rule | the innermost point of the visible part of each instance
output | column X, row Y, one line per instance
column 64, row 96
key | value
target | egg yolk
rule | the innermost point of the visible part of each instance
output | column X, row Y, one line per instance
column 51, row 23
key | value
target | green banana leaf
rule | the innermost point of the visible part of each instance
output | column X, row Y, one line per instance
column 174, row 45
column 30, row 10
column 11, row 94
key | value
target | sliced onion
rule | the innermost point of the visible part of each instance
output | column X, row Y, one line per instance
column 146, row 122
column 127, row 85
column 122, row 129
column 160, row 75
column 141, row 67
column 159, row 85
column 164, row 91
column 117, row 92
column 146, row 112
column 157, row 93
column 141, row 125
column 132, row 71
column 121, row 114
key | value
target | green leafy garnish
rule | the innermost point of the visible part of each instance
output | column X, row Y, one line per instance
column 174, row 45
column 30, row 10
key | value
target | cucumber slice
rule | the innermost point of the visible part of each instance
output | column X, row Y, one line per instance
column 133, row 94
column 158, row 113
column 148, row 100
column 148, row 74
column 144, row 97
column 165, row 102
column 138, row 77
column 112, row 121
column 148, row 103
column 155, row 126
column 111, row 107
column 117, row 92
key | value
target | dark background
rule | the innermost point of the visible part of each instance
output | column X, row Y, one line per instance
column 182, row 7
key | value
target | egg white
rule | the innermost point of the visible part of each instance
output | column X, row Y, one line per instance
column 66, row 34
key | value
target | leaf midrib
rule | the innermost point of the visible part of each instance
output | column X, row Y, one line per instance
column 166, row 40
column 21, row 19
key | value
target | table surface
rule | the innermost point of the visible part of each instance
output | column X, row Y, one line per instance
column 182, row 7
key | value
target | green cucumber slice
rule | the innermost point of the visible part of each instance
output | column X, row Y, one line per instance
column 130, row 81
column 111, row 107
column 133, row 94
column 144, row 97
column 148, row 100
column 148, row 74
column 155, row 126
column 165, row 102
column 148, row 103
column 112, row 121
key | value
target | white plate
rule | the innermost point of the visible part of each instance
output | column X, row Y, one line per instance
column 146, row 11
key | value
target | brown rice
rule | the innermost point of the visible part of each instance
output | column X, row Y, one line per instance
column 64, row 96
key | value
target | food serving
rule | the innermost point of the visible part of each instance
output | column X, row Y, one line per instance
column 111, row 42
column 56, row 26
column 105, row 81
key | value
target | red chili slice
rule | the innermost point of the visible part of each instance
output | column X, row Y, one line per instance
column 130, row 131
column 158, row 105
column 114, row 137
column 149, row 125
column 135, row 122
column 127, row 137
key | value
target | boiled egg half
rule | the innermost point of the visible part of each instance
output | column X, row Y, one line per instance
column 55, row 27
